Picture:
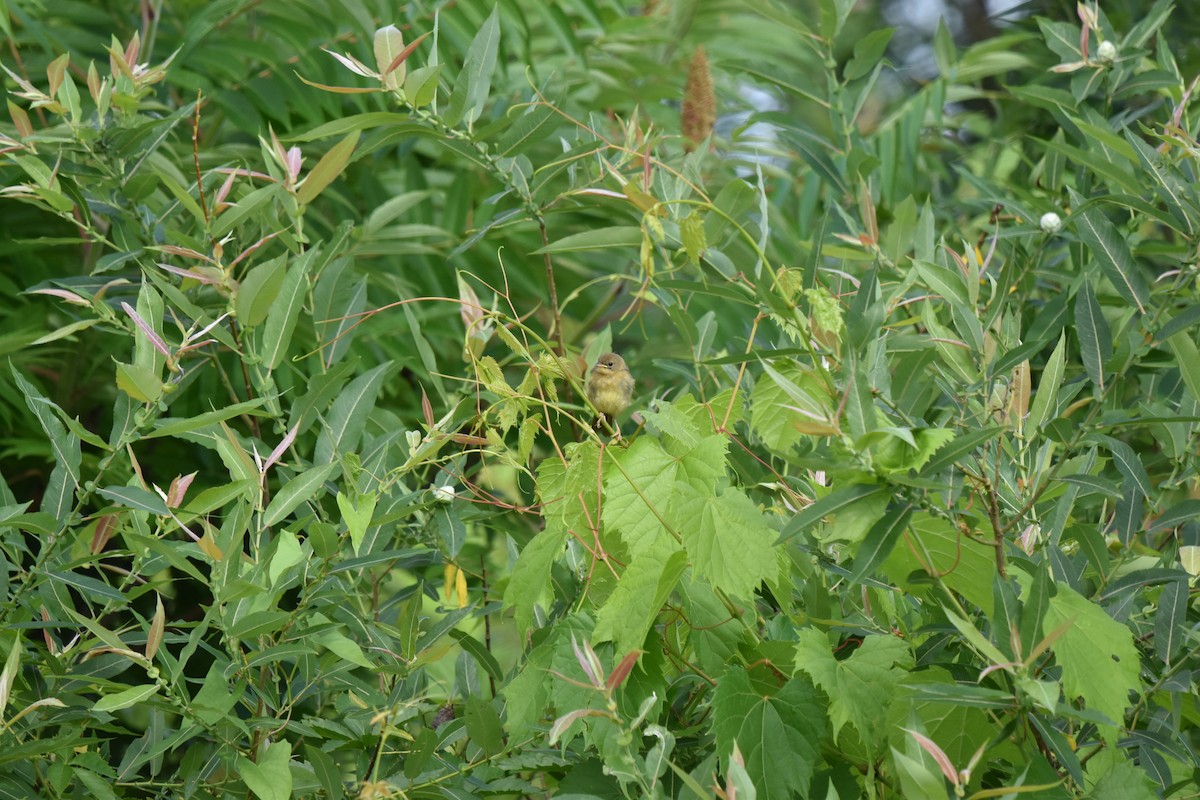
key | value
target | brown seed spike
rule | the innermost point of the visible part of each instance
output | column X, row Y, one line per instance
column 699, row 102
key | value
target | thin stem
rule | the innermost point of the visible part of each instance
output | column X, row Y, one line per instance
column 559, row 346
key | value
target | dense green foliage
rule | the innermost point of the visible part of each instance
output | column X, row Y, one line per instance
column 300, row 497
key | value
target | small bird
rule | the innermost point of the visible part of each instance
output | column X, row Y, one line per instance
column 610, row 387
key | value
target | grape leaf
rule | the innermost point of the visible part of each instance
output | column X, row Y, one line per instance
column 637, row 492
column 1123, row 781
column 715, row 635
column 778, row 735
column 630, row 610
column 531, row 574
column 861, row 687
column 727, row 538
column 783, row 413
column 567, row 490
column 935, row 545
column 1099, row 662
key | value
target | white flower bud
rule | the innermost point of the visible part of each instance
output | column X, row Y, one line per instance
column 1106, row 52
column 443, row 494
column 413, row 438
column 1051, row 222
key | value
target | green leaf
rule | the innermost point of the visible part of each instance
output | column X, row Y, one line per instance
column 483, row 725
column 328, row 773
column 257, row 292
column 944, row 51
column 531, row 574
column 1095, row 341
column 296, row 491
column 125, row 699
column 474, row 82
column 1098, row 659
column 1179, row 514
column 328, row 168
column 527, row 692
column 322, row 389
column 172, row 426
column 701, row 466
column 90, row 587
column 977, row 639
column 879, row 542
column 831, row 503
column 421, row 88
column 287, row 555
column 357, row 515
column 867, row 52
column 778, row 733
column 141, row 383
column 963, row 445
column 1180, row 322
column 217, row 696
column 598, row 239
column 1169, row 619
column 271, row 777
column 918, row 776
column 958, row 694
column 284, row 312
column 1112, row 254
column 345, row 648
column 534, row 125
column 97, row 787
column 859, row 407
column 860, row 688
column 59, row 496
column 1045, row 400
column 233, row 454
column 1128, row 463
column 1123, row 781
column 637, row 492
column 1171, row 185
column 479, row 652
column 935, row 547
column 65, row 331
column 946, row 282
column 8, row 676
column 1115, row 175
column 691, row 232
column 727, row 540
column 395, row 123
column 852, row 523
column 133, row 497
column 451, row 529
column 901, row 450
column 568, row 492
column 266, row 623
column 788, row 404
column 1187, row 357
column 348, row 415
column 630, row 611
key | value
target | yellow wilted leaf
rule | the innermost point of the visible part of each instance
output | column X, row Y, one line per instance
column 461, row 586
column 448, row 575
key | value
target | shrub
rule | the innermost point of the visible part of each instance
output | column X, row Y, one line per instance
column 301, row 494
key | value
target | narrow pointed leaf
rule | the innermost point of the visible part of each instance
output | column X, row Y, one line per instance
column 879, row 542
column 1095, row 341
column 1112, row 254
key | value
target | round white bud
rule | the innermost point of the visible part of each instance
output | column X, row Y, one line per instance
column 1050, row 222
column 1106, row 52
column 443, row 494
